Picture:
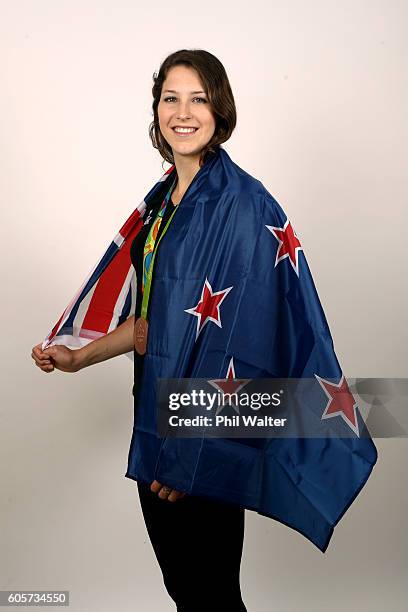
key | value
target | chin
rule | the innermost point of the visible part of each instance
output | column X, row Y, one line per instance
column 187, row 150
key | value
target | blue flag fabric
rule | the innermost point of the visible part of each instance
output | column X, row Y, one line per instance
column 233, row 296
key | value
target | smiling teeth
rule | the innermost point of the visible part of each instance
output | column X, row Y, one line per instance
column 182, row 130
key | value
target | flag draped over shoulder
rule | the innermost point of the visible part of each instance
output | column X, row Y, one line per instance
column 232, row 297
column 107, row 297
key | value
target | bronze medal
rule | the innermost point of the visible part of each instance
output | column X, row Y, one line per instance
column 140, row 335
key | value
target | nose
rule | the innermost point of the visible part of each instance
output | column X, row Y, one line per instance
column 183, row 111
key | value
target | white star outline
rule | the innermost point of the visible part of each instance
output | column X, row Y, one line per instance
column 208, row 317
column 339, row 412
column 271, row 228
column 231, row 369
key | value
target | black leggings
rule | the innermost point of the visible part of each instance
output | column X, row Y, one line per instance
column 198, row 543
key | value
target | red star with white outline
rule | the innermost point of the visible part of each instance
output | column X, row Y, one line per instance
column 340, row 402
column 208, row 308
column 289, row 244
column 229, row 385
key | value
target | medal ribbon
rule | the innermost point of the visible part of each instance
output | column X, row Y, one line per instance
column 150, row 248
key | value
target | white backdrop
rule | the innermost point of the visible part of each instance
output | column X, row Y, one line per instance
column 321, row 94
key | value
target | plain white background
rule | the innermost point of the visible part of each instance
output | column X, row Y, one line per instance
column 321, row 95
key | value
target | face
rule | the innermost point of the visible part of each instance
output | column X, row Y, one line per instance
column 184, row 103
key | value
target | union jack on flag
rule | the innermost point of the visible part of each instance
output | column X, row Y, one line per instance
column 107, row 297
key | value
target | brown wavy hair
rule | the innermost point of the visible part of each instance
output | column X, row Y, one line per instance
column 217, row 87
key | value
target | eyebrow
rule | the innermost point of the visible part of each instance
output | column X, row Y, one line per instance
column 173, row 91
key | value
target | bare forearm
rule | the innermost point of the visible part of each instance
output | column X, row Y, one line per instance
column 116, row 342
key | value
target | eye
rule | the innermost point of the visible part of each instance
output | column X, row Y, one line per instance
column 173, row 98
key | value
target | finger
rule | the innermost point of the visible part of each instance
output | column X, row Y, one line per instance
column 175, row 495
column 155, row 486
column 164, row 492
column 39, row 353
column 42, row 357
column 41, row 362
column 48, row 368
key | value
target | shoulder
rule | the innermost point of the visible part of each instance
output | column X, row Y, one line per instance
column 248, row 192
column 237, row 180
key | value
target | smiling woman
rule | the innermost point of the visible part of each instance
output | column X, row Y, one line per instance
column 194, row 112
column 186, row 122
column 221, row 290
column 187, row 130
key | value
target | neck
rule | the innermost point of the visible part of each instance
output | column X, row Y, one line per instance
column 187, row 167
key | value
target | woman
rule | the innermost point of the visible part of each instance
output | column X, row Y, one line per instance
column 232, row 300
column 184, row 130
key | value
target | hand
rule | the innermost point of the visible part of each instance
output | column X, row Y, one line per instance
column 58, row 356
column 166, row 492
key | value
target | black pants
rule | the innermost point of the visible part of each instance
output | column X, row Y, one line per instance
column 198, row 544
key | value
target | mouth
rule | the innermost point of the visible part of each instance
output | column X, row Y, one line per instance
column 184, row 132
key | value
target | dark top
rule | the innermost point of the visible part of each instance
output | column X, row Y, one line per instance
column 136, row 255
